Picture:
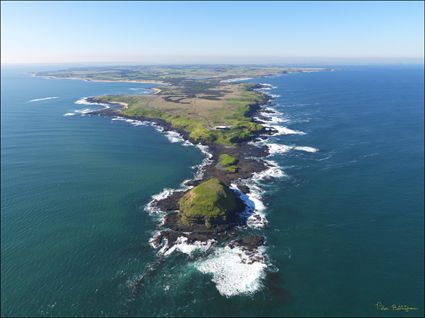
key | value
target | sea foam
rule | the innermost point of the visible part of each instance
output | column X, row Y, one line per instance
column 150, row 207
column 234, row 270
column 183, row 246
column 280, row 130
column 85, row 111
column 279, row 149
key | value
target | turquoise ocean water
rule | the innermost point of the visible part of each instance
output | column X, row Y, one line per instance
column 345, row 222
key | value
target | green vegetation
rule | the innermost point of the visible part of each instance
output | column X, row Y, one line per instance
column 209, row 203
column 204, row 101
column 200, row 115
column 170, row 74
column 195, row 98
column 228, row 162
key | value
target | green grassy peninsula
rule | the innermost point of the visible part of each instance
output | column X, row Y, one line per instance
column 217, row 114
column 209, row 105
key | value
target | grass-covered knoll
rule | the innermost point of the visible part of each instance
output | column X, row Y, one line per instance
column 208, row 203
column 228, row 162
column 200, row 115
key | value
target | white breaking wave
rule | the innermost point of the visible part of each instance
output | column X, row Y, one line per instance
column 306, row 149
column 274, row 95
column 174, row 136
column 266, row 88
column 273, row 171
column 278, row 149
column 268, row 85
column 183, row 246
column 207, row 161
column 83, row 112
column 150, row 206
column 255, row 208
column 255, row 217
column 40, row 99
column 286, row 131
column 271, row 118
column 133, row 122
column 277, row 119
column 235, row 271
column 153, row 240
column 171, row 135
column 84, row 101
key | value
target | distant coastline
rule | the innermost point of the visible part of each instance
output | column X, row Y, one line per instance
column 99, row 80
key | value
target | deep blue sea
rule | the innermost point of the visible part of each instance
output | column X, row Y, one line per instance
column 345, row 223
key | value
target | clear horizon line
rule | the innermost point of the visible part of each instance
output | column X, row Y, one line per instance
column 323, row 60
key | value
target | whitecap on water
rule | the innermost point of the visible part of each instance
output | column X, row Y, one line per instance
column 174, row 136
column 273, row 171
column 83, row 112
column 84, row 101
column 279, row 149
column 165, row 193
column 255, row 208
column 183, row 246
column 41, row 99
column 281, row 130
column 133, row 122
column 271, row 118
column 306, row 149
column 268, row 85
column 234, row 270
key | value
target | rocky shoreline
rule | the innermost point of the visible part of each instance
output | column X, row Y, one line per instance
column 250, row 161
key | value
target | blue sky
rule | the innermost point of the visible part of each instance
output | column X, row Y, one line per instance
column 215, row 32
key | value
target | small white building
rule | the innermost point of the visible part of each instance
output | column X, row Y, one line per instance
column 222, row 127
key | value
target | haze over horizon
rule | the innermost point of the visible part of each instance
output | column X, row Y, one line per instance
column 212, row 32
